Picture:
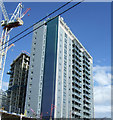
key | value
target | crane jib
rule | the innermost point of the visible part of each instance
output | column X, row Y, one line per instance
column 10, row 25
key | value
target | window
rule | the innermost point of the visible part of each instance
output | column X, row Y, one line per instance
column 65, row 57
column 40, row 90
column 65, row 35
column 59, row 63
column 30, row 84
column 34, row 43
column 65, row 46
column 65, row 51
column 33, row 59
column 65, row 40
column 39, row 104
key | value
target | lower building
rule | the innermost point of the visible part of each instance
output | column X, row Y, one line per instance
column 3, row 100
column 16, row 93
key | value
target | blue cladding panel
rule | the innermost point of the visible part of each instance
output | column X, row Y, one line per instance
column 48, row 95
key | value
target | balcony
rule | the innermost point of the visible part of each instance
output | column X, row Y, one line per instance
column 87, row 86
column 79, row 73
column 77, row 94
column 86, row 63
column 79, row 78
column 86, row 117
column 86, row 114
column 78, row 89
column 77, row 100
column 88, row 91
column 86, row 76
column 79, row 64
column 87, row 107
column 85, row 71
column 77, row 67
column 88, row 70
column 87, row 101
column 88, row 81
column 78, row 83
column 86, row 67
column 89, row 96
column 76, row 106
column 77, row 58
column 78, row 50
column 77, row 113
column 86, row 58
column 76, row 79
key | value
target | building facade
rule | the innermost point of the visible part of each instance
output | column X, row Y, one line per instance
column 18, row 83
column 60, row 83
column 3, row 100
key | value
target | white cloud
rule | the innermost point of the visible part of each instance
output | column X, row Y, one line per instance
column 5, row 85
column 98, row 67
column 102, row 91
column 102, row 75
column 102, row 95
column 102, row 108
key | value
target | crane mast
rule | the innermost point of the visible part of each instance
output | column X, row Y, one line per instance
column 4, row 38
column 4, row 11
column 8, row 25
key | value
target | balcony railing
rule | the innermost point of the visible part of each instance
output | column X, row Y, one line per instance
column 79, row 84
column 87, row 86
column 77, row 100
column 87, row 80
column 77, row 94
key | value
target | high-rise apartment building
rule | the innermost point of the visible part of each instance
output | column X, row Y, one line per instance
column 60, row 83
column 18, row 84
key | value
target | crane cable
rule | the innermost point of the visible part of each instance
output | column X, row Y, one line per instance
column 44, row 24
column 38, row 21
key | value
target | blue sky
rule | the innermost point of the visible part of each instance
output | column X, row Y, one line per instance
column 91, row 24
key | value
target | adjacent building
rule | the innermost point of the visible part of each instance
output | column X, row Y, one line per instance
column 60, row 83
column 18, row 84
column 3, row 100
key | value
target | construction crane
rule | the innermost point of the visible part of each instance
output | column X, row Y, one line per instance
column 8, row 25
